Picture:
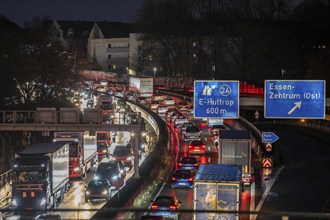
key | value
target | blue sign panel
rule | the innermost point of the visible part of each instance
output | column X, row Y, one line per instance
column 216, row 99
column 269, row 137
column 294, row 99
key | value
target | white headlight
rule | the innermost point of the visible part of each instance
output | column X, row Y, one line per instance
column 14, row 202
column 76, row 169
column 114, row 177
column 87, row 193
column 105, row 192
column 43, row 202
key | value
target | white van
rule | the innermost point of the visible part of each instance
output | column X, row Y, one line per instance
column 214, row 121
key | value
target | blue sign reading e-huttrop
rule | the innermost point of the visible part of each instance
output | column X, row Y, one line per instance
column 294, row 99
column 216, row 99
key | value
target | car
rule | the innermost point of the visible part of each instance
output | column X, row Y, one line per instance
column 174, row 116
column 183, row 106
column 180, row 120
column 196, row 147
column 142, row 100
column 165, row 205
column 152, row 217
column 182, row 178
column 192, row 133
column 107, row 170
column 215, row 129
column 154, row 105
column 185, row 126
column 162, row 109
column 214, row 121
column 48, row 216
column 188, row 163
column 125, row 154
column 117, row 165
column 90, row 103
column 169, row 101
column 170, row 111
column 159, row 97
column 98, row 189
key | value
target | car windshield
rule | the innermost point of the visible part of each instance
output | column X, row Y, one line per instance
column 182, row 174
column 196, row 142
column 192, row 129
column 188, row 160
column 121, row 151
column 97, row 183
column 73, row 149
column 106, row 166
column 164, row 201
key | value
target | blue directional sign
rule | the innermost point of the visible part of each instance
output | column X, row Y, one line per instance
column 294, row 99
column 216, row 99
column 269, row 137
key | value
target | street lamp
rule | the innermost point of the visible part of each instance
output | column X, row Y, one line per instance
column 155, row 69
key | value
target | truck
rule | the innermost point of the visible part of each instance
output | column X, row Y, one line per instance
column 144, row 86
column 82, row 151
column 40, row 176
column 217, row 187
column 235, row 148
column 103, row 139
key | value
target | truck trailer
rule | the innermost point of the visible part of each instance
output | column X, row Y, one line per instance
column 40, row 176
column 83, row 151
column 217, row 187
column 235, row 148
column 144, row 86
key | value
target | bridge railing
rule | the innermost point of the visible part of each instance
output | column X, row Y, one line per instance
column 323, row 126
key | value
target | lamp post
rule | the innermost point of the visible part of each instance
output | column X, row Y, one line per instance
column 155, row 69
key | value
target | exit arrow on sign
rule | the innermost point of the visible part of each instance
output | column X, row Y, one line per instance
column 269, row 137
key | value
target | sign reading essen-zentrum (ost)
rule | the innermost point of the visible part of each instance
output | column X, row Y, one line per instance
column 216, row 99
column 294, row 99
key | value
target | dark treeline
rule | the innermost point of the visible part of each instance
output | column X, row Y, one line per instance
column 248, row 40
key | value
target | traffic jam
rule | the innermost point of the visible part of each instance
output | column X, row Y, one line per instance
column 104, row 162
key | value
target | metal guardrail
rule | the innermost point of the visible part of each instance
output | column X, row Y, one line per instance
column 5, row 178
column 301, row 123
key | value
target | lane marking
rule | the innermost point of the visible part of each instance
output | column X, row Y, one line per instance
column 262, row 200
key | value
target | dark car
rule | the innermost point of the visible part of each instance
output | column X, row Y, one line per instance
column 106, row 170
column 48, row 216
column 182, row 178
column 215, row 129
column 125, row 154
column 165, row 205
column 188, row 163
column 98, row 189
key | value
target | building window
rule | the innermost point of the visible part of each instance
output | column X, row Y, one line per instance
column 139, row 47
column 139, row 58
column 109, row 56
column 109, row 67
column 114, row 66
column 109, row 45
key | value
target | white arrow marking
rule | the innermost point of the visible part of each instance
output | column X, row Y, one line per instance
column 297, row 105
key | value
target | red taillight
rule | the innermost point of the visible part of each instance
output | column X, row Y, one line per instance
column 190, row 179
column 203, row 146
column 196, row 164
column 172, row 207
column 173, row 178
column 189, row 146
column 179, row 164
column 154, row 206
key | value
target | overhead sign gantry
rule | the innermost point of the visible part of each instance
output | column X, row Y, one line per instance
column 295, row 99
column 216, row 99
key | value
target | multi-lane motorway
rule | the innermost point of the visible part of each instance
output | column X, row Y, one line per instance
column 300, row 185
